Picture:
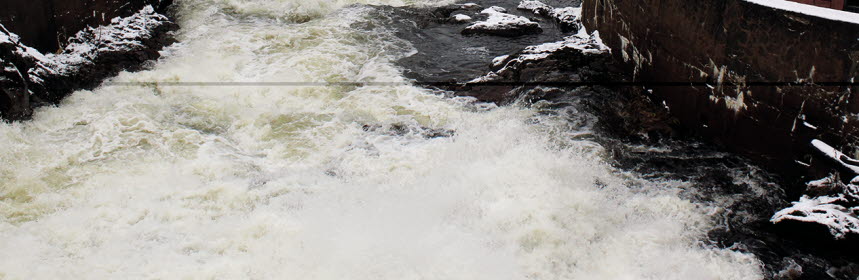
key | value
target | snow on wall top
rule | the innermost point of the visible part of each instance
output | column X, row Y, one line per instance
column 810, row 10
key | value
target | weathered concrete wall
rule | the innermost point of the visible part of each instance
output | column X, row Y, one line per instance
column 47, row 24
column 754, row 47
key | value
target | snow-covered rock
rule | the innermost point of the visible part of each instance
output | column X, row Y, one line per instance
column 498, row 61
column 461, row 18
column 535, row 6
column 583, row 43
column 500, row 23
column 122, row 35
column 92, row 55
column 567, row 18
column 494, row 9
column 829, row 202
column 15, row 60
column 545, row 71
column 470, row 6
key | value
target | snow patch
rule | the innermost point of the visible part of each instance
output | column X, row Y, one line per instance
column 567, row 14
column 567, row 17
column 121, row 35
column 496, row 62
column 823, row 210
column 14, row 42
column 828, row 201
column 499, row 22
column 461, row 18
column 586, row 43
column 532, row 5
column 494, row 10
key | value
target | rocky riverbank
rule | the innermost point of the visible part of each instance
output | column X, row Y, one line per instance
column 31, row 78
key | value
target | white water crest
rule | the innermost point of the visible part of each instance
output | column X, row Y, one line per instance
column 323, row 182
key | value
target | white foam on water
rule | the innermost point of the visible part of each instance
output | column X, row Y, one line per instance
column 225, row 182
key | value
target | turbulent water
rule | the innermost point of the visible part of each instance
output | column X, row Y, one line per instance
column 325, row 182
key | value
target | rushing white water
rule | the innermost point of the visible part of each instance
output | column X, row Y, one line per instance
column 283, row 182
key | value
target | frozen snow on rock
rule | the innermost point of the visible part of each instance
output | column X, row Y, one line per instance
column 91, row 56
column 469, row 5
column 568, row 14
column 590, row 44
column 829, row 211
column 587, row 43
column 533, row 6
column 500, row 23
column 494, row 9
column 13, row 41
column 496, row 62
column 828, row 201
column 121, row 35
column 461, row 18
column 567, row 18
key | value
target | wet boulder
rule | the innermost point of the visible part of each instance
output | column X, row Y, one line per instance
column 500, row 23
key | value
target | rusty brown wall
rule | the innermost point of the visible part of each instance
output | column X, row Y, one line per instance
column 752, row 46
column 43, row 24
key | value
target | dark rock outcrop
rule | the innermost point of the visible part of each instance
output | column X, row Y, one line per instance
column 16, row 61
column 46, row 25
column 30, row 78
column 576, row 61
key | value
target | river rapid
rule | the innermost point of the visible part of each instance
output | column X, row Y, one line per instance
column 312, row 181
